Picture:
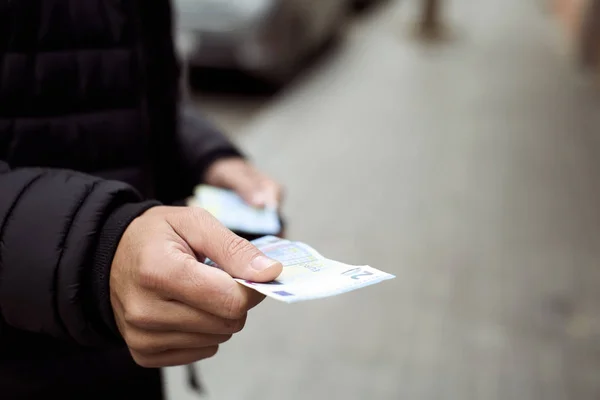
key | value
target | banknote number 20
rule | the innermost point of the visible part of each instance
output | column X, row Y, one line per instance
column 363, row 273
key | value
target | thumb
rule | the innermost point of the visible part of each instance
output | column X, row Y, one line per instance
column 251, row 192
column 235, row 255
column 241, row 259
column 249, row 188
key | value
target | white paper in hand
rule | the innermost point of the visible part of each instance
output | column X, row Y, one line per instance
column 233, row 212
column 307, row 274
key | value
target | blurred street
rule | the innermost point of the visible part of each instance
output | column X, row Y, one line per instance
column 470, row 170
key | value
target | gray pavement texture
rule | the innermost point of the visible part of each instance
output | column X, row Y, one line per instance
column 471, row 170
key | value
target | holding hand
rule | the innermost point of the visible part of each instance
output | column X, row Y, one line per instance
column 252, row 185
column 170, row 308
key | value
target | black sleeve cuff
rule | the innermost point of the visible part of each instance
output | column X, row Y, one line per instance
column 111, row 234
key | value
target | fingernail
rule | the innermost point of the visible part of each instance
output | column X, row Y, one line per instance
column 261, row 263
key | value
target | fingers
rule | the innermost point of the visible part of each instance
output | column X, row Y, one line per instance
column 205, row 290
column 148, row 342
column 264, row 193
column 177, row 275
column 249, row 189
column 274, row 194
column 212, row 290
column 235, row 255
column 174, row 333
column 164, row 316
column 170, row 308
column 253, row 186
column 171, row 358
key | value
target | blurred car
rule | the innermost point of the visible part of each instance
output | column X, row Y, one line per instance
column 268, row 38
column 363, row 4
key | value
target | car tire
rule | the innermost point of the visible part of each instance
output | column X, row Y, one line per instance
column 295, row 50
column 361, row 5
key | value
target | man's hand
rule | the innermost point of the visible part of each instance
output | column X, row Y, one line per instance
column 253, row 186
column 170, row 308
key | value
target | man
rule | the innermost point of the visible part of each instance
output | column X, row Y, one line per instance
column 100, row 284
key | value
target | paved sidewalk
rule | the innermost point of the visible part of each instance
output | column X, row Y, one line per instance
column 472, row 172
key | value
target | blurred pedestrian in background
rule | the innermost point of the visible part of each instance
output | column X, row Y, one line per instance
column 98, row 273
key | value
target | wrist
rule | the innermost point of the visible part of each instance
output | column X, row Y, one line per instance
column 99, row 279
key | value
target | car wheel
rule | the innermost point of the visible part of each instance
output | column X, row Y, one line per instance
column 361, row 5
column 294, row 52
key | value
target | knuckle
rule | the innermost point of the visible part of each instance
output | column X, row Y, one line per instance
column 197, row 214
column 235, row 246
column 144, row 345
column 151, row 277
column 225, row 338
column 189, row 269
column 144, row 361
column 138, row 315
column 211, row 351
column 136, row 344
column 204, row 353
column 234, row 307
column 189, row 273
column 237, row 325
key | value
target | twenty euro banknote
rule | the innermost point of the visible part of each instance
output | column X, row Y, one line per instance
column 307, row 275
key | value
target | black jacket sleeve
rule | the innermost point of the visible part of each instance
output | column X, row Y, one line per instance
column 201, row 143
column 59, row 231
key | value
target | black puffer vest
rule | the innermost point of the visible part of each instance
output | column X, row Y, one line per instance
column 88, row 85
column 91, row 86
